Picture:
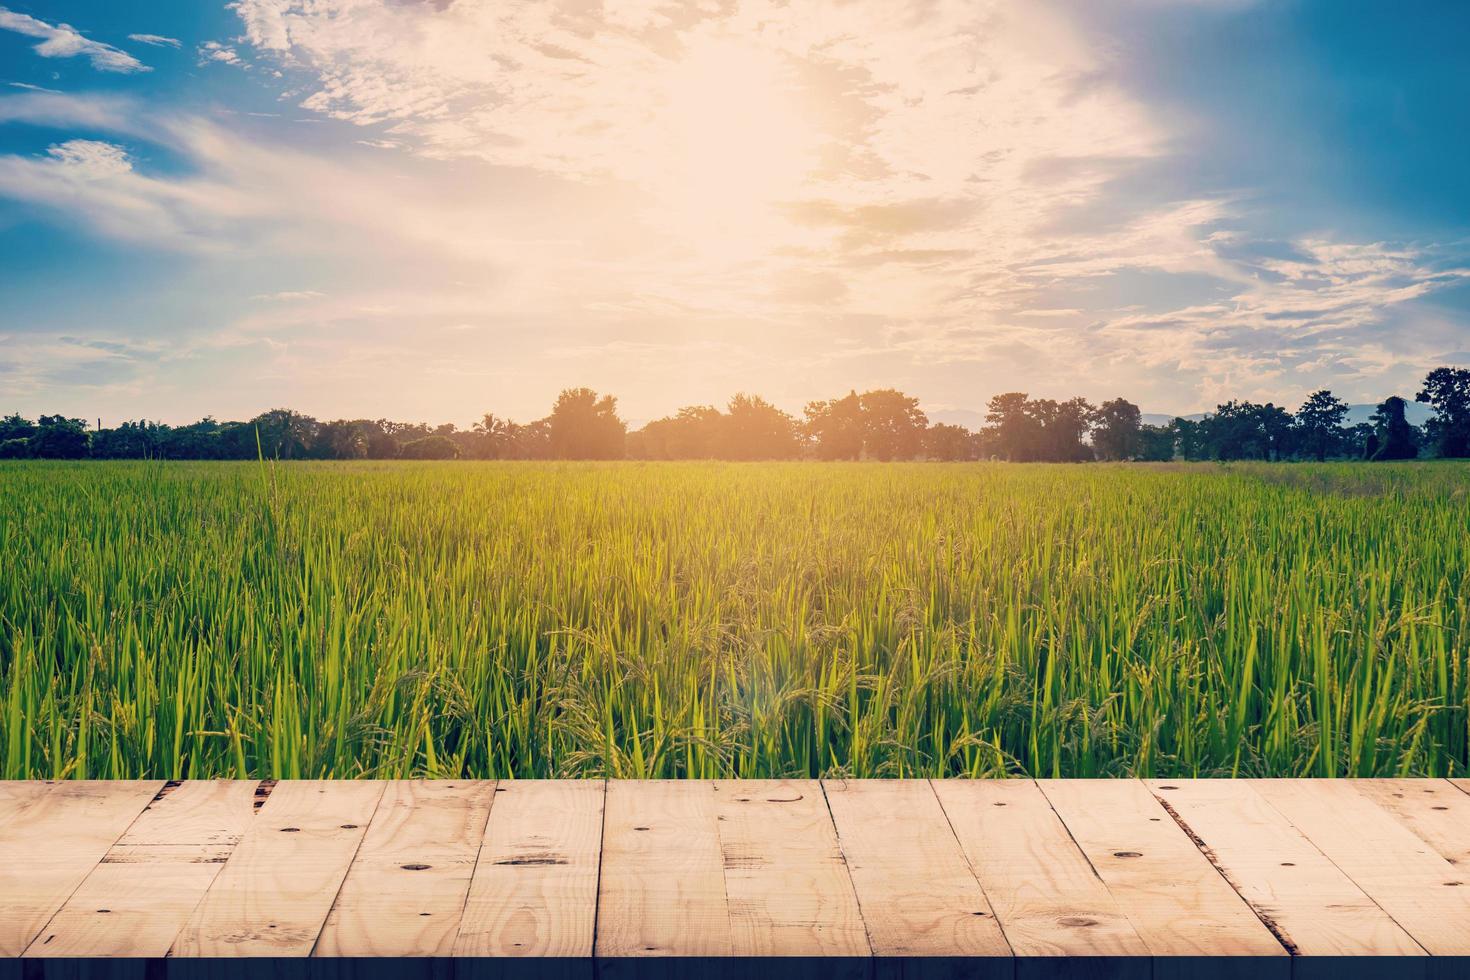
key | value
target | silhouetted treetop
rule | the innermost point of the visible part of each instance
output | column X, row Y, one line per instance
column 880, row 424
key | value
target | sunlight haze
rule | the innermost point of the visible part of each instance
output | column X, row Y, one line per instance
column 436, row 209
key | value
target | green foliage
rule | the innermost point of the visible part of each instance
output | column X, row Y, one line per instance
column 429, row 447
column 583, row 425
column 172, row 620
column 1448, row 390
column 1394, row 437
column 1319, row 425
column 1118, row 430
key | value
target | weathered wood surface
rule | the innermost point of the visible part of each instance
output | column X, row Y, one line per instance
column 1262, row 872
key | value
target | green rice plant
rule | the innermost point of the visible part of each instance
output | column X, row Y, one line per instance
column 173, row 620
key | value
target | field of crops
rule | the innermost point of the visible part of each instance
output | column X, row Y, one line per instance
column 294, row 620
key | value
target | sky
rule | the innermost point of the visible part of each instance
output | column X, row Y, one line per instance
column 431, row 209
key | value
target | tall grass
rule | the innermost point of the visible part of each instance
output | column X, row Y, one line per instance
column 216, row 619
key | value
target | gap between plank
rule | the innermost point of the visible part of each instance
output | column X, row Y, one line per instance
column 167, row 787
column 978, row 883
column 597, row 892
column 724, row 869
column 474, row 869
column 1121, row 906
column 1270, row 923
column 856, row 896
column 355, row 851
column 258, row 798
column 1366, row 893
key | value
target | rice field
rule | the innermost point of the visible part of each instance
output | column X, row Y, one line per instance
column 174, row 620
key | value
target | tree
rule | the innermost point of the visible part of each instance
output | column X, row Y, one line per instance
column 836, row 427
column 493, row 436
column 342, row 439
column 585, row 426
column 285, row 434
column 1016, row 429
column 1394, row 437
column 14, row 427
column 690, row 433
column 1448, row 390
column 950, row 443
column 1156, row 443
column 1277, row 427
column 892, row 424
column 429, row 447
column 15, row 437
column 1066, row 425
column 1024, row 429
column 58, row 437
column 753, row 428
column 1319, row 424
column 1245, row 430
column 130, row 440
column 1116, row 432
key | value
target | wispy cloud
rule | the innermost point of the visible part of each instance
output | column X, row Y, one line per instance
column 679, row 201
column 65, row 41
column 213, row 52
column 156, row 40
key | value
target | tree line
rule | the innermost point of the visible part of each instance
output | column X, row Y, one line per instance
column 883, row 424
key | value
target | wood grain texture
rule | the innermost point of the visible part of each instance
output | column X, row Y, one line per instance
column 1313, row 907
column 1047, row 897
column 18, row 796
column 274, row 894
column 135, row 902
column 1176, row 900
column 915, row 888
column 1102, row 878
column 1434, row 809
column 663, row 879
column 785, row 876
column 1409, row 879
column 534, row 891
column 51, row 841
column 405, row 892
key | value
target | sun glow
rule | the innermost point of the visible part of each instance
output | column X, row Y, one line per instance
column 729, row 139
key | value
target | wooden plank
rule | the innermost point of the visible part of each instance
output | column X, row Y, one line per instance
column 1174, row 897
column 1047, row 897
column 1434, row 809
column 787, row 882
column 534, row 891
column 273, row 896
column 138, row 898
column 406, row 889
column 17, row 796
column 917, row 894
column 1409, row 880
column 663, row 881
column 52, row 842
column 1314, row 909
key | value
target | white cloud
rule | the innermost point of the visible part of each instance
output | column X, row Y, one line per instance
column 91, row 159
column 64, row 41
column 214, row 51
column 679, row 202
column 156, row 40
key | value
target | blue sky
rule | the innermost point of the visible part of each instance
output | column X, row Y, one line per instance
column 431, row 210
